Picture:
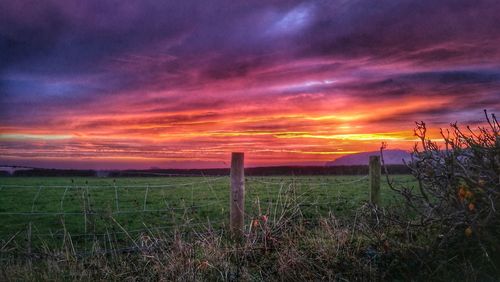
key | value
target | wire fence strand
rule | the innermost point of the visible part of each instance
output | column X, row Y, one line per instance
column 189, row 206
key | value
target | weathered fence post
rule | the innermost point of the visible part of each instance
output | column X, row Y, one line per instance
column 497, row 145
column 237, row 209
column 375, row 179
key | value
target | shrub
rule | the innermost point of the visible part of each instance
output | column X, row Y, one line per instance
column 457, row 197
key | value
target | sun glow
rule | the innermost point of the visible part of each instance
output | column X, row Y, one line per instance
column 282, row 82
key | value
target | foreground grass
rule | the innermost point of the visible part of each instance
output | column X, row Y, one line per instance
column 46, row 209
column 289, row 249
column 296, row 229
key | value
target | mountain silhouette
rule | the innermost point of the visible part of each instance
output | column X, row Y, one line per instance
column 390, row 157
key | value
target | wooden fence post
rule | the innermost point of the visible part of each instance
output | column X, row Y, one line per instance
column 237, row 209
column 497, row 145
column 375, row 172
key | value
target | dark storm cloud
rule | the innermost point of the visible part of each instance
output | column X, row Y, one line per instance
column 65, row 35
column 129, row 45
column 421, row 30
column 223, row 39
column 456, row 77
column 428, row 83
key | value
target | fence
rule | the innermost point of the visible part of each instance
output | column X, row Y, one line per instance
column 125, row 211
column 237, row 201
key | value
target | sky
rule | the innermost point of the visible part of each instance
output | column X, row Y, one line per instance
column 181, row 84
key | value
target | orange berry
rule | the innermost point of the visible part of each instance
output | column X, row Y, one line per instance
column 461, row 193
column 468, row 232
column 472, row 207
column 255, row 223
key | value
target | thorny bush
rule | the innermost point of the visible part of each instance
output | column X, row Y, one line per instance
column 457, row 196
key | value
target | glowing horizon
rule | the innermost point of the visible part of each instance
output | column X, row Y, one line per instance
column 171, row 84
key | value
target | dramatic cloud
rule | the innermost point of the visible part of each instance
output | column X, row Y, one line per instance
column 183, row 83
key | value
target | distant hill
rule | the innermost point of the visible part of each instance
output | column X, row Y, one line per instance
column 390, row 156
column 250, row 171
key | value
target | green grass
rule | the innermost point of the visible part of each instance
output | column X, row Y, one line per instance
column 95, row 207
column 319, row 228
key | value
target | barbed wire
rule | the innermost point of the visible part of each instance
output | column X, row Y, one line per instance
column 206, row 180
column 126, row 173
column 284, row 181
column 86, row 197
column 405, row 181
column 81, row 186
column 173, row 225
column 83, row 193
column 35, row 213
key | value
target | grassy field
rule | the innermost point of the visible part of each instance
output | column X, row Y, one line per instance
column 175, row 229
column 46, row 209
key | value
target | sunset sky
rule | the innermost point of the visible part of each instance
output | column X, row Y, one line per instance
column 178, row 84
